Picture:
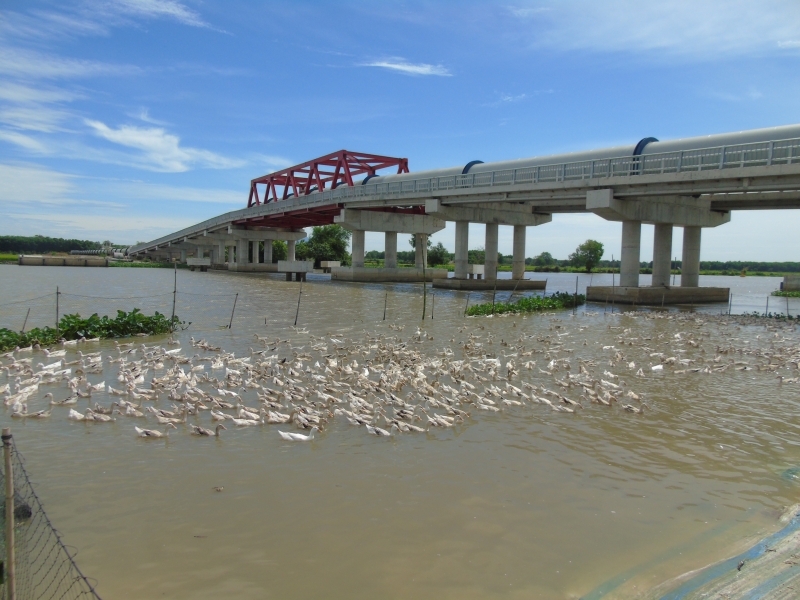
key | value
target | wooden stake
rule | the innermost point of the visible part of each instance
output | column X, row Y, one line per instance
column 300, row 295
column 233, row 310
column 466, row 306
column 57, row 294
column 29, row 312
column 11, row 579
column 174, row 294
column 385, row 302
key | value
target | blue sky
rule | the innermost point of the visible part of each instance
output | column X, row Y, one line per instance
column 127, row 120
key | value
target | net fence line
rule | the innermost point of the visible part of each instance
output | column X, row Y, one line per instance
column 206, row 312
column 44, row 567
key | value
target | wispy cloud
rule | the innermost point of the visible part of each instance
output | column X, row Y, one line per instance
column 691, row 29
column 23, row 141
column 407, row 68
column 157, row 9
column 161, row 151
column 789, row 44
column 29, row 64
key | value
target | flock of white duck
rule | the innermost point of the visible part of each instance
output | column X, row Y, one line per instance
column 381, row 382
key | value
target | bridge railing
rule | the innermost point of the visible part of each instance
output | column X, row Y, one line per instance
column 721, row 157
column 759, row 154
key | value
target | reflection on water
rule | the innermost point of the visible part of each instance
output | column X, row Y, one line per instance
column 527, row 502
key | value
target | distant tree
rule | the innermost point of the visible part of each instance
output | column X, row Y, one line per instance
column 477, row 256
column 327, row 242
column 438, row 255
column 412, row 241
column 587, row 255
column 544, row 259
column 375, row 255
column 279, row 250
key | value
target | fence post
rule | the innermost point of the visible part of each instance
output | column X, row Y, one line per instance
column 11, row 583
column 174, row 294
column 299, row 295
column 230, row 325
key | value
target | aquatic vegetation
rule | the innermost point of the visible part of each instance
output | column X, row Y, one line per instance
column 528, row 304
column 73, row 327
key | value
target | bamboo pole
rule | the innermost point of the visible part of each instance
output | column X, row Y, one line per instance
column 29, row 314
column 433, row 305
column 466, row 306
column 494, row 293
column 424, row 291
column 300, row 295
column 57, row 294
column 174, row 294
column 385, row 302
column 233, row 310
column 11, row 583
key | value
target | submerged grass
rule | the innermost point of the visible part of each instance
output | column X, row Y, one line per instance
column 528, row 304
column 786, row 294
column 73, row 327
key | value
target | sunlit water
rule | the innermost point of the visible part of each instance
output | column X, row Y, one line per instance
column 525, row 503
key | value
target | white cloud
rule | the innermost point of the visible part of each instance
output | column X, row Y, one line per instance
column 158, row 8
column 23, row 141
column 691, row 29
column 407, row 68
column 27, row 64
column 161, row 151
column 33, row 118
column 23, row 94
column 789, row 44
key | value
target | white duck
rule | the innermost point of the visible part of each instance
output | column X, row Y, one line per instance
column 298, row 437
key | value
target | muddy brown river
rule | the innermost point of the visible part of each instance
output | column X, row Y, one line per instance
column 528, row 501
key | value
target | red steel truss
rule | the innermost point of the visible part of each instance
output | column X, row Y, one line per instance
column 315, row 175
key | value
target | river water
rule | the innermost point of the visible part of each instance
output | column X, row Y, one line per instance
column 528, row 502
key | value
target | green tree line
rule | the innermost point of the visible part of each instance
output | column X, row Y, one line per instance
column 39, row 243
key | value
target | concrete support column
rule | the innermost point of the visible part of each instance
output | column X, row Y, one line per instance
column 268, row 252
column 290, row 250
column 221, row 252
column 690, row 265
column 631, row 250
column 518, row 260
column 242, row 251
column 390, row 250
column 257, row 251
column 490, row 262
column 183, row 255
column 421, row 250
column 662, row 251
column 357, row 242
column 462, row 250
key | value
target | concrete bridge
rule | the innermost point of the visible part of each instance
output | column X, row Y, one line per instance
column 690, row 183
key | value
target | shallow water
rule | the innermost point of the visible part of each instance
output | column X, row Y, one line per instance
column 527, row 502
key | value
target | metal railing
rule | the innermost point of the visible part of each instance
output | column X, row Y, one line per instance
column 758, row 154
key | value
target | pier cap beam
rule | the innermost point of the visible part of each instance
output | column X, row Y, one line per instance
column 687, row 211
column 371, row 220
column 498, row 213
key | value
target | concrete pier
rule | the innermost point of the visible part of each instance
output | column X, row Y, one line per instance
column 299, row 267
column 398, row 275
column 657, row 296
column 690, row 260
column 390, row 250
column 462, row 250
column 506, row 285
column 631, row 249
column 662, row 255
column 518, row 258
column 421, row 251
column 490, row 255
column 357, row 247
